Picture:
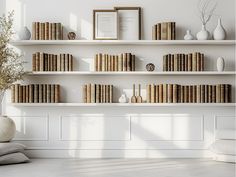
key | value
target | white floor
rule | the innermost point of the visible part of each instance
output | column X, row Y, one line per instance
column 119, row 168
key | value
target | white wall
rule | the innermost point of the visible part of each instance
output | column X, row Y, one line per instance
column 121, row 132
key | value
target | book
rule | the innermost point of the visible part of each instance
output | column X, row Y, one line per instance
column 93, row 93
column 89, row 93
column 48, row 93
column 57, row 93
column 175, row 93
column 85, row 93
column 152, row 94
column 164, row 35
column 52, row 98
column 36, row 93
column 170, row 93
column 148, row 93
column 154, row 32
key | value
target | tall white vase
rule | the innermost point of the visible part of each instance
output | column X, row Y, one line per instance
column 220, row 64
column 203, row 34
column 219, row 32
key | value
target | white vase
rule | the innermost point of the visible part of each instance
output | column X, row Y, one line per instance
column 24, row 33
column 203, row 34
column 220, row 64
column 123, row 99
column 188, row 35
column 219, row 32
column 7, row 129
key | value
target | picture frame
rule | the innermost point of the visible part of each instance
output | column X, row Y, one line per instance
column 130, row 26
column 105, row 24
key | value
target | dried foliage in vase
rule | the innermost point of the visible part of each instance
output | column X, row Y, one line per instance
column 206, row 9
column 11, row 62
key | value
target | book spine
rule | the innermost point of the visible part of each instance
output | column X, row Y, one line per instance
column 132, row 62
column 161, row 93
column 194, row 94
column 33, row 31
column 175, row 93
column 93, row 93
column 13, row 90
column 48, row 93
column 164, row 31
column 194, row 62
column 52, row 98
column 185, row 62
column 202, row 68
column 222, row 93
column 154, row 32
column 57, row 93
column 85, row 93
column 190, row 62
column 169, row 31
column 97, row 90
column 170, row 93
column 111, row 94
column 58, row 31
column 202, row 93
column 46, row 31
column 40, row 87
column 89, row 93
column 209, row 93
column 36, row 93
column 148, row 93
column 53, row 31
column 213, row 93
column 206, row 94
column 173, row 31
column 165, row 63
column 165, row 93
column 158, row 31
column 44, row 93
column 190, row 94
column 153, row 93
column 34, row 62
column 157, row 94
column 27, row 93
column 31, row 93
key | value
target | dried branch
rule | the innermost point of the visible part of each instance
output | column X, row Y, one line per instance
column 206, row 9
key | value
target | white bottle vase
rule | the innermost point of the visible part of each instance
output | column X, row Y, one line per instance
column 188, row 35
column 219, row 32
column 123, row 99
column 220, row 64
column 24, row 33
column 203, row 34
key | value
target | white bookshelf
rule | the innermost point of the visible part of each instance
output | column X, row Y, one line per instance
column 122, row 42
column 124, row 104
column 204, row 73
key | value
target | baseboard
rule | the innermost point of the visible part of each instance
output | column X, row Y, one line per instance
column 119, row 153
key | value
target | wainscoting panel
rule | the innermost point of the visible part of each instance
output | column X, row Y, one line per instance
column 166, row 127
column 225, row 122
column 31, row 128
column 94, row 128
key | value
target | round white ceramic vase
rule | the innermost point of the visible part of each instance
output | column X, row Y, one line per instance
column 203, row 34
column 24, row 33
column 123, row 99
column 188, row 35
column 7, row 129
column 220, row 64
column 219, row 32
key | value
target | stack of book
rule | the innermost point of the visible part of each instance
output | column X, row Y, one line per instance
column 174, row 93
column 50, row 62
column 164, row 31
column 105, row 62
column 35, row 93
column 97, row 93
column 183, row 62
column 47, row 31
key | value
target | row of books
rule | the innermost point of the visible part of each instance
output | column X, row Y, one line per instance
column 47, row 31
column 97, row 93
column 51, row 62
column 174, row 93
column 35, row 93
column 184, row 62
column 106, row 62
column 164, row 31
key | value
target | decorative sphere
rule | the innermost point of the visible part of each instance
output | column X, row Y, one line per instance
column 7, row 129
column 71, row 36
column 150, row 67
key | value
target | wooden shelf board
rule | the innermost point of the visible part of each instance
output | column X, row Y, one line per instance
column 123, row 42
column 123, row 104
column 132, row 73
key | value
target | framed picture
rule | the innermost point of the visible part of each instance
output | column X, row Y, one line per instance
column 129, row 23
column 105, row 25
